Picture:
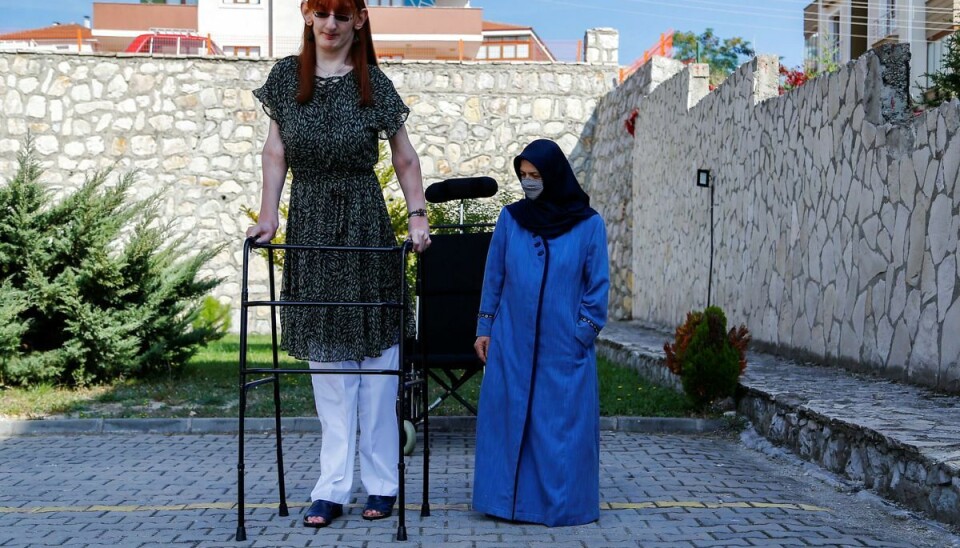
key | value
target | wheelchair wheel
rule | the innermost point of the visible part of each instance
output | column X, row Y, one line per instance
column 409, row 437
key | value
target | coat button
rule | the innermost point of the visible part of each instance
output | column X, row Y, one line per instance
column 536, row 244
column 540, row 254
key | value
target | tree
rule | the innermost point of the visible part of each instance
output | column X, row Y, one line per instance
column 723, row 55
column 945, row 82
column 812, row 67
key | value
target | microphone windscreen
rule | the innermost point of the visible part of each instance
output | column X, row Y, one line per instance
column 467, row 188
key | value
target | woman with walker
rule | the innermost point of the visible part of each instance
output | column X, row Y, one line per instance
column 327, row 107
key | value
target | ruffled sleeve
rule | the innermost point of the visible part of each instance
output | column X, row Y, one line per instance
column 275, row 92
column 389, row 111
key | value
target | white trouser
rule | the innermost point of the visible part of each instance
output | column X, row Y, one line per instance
column 340, row 400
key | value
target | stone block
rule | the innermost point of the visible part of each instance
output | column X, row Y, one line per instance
column 917, row 241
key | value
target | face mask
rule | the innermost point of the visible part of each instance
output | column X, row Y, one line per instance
column 531, row 188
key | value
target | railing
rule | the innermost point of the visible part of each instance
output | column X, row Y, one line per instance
column 884, row 26
column 566, row 51
column 663, row 48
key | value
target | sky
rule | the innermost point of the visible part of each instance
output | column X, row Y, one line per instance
column 771, row 26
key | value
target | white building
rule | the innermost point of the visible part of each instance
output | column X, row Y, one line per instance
column 404, row 29
column 842, row 30
column 252, row 28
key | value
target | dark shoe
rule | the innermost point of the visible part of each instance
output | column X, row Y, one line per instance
column 383, row 506
column 322, row 509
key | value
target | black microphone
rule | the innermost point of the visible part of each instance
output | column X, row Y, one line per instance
column 461, row 189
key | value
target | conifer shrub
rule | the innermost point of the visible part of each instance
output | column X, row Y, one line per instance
column 92, row 287
column 708, row 359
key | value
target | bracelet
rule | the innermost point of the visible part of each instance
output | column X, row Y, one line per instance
column 417, row 213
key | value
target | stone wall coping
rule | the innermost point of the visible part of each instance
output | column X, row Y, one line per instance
column 230, row 59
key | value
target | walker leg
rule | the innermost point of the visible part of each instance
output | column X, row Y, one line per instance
column 284, row 512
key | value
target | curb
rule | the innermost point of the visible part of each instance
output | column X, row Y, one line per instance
column 13, row 427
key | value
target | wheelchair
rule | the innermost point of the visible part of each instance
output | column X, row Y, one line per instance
column 449, row 277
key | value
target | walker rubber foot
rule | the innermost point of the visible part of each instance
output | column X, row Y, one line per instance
column 284, row 512
column 241, row 534
column 401, row 533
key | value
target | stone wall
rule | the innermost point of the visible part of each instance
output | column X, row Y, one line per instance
column 836, row 212
column 193, row 129
column 608, row 173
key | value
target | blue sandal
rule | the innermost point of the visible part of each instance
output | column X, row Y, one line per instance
column 322, row 509
column 380, row 504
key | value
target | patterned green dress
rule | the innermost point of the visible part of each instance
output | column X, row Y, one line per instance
column 331, row 147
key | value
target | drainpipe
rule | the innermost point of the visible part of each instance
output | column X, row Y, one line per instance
column 270, row 28
column 821, row 22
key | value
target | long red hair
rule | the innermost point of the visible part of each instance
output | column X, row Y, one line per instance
column 362, row 54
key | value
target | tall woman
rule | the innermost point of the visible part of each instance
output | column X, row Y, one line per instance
column 544, row 301
column 328, row 106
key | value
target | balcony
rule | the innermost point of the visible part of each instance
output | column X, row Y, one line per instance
column 884, row 28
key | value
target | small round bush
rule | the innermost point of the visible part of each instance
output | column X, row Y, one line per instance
column 707, row 357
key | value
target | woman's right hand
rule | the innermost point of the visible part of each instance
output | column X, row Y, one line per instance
column 264, row 230
column 482, row 346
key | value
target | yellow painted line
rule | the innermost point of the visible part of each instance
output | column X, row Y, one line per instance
column 52, row 509
column 812, row 508
column 610, row 506
column 678, row 504
column 627, row 505
column 713, row 505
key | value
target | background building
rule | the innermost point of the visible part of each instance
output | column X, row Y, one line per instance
column 72, row 38
column 505, row 42
column 116, row 25
column 837, row 31
column 402, row 29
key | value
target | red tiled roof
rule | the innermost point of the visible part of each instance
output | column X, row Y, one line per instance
column 491, row 25
column 49, row 33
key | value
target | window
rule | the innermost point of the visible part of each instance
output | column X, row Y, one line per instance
column 888, row 19
column 505, row 48
column 935, row 50
column 810, row 48
column 833, row 38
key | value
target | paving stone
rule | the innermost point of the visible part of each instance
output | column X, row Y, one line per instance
column 674, row 488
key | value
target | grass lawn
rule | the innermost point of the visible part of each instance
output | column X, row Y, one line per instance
column 208, row 387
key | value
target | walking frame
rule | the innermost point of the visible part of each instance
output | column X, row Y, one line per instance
column 412, row 382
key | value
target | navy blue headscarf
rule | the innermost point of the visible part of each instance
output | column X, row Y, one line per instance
column 562, row 204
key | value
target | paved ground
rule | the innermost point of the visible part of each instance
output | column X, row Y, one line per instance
column 656, row 490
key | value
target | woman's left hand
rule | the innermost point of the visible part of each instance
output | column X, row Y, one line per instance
column 419, row 233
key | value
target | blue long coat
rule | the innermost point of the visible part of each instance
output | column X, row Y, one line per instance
column 538, row 425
